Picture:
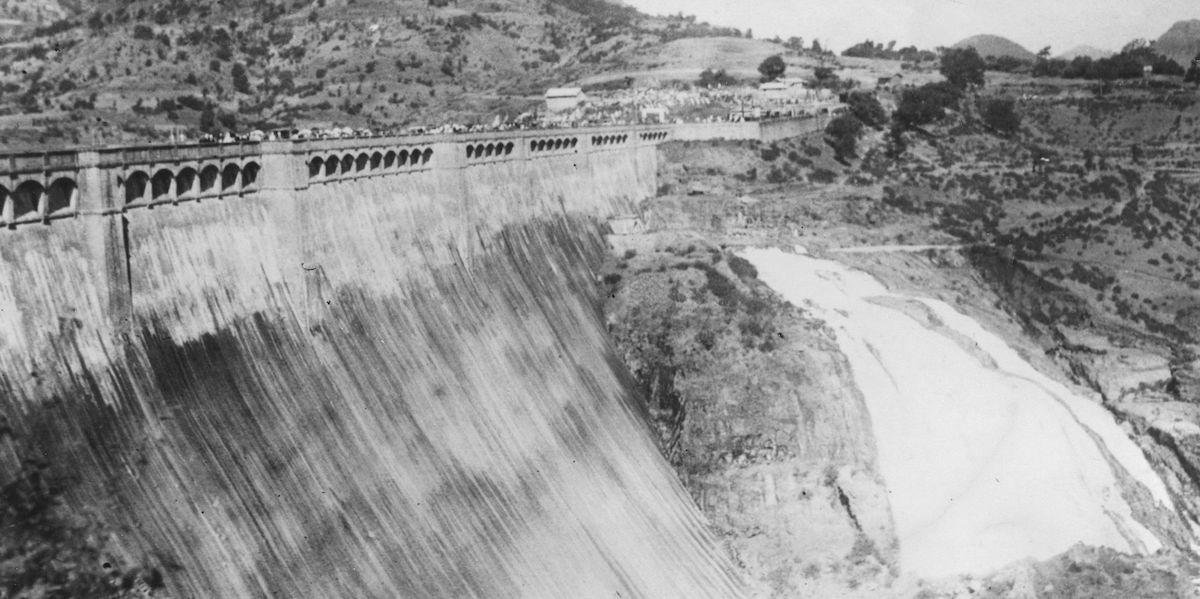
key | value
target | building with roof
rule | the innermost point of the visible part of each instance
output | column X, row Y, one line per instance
column 563, row 99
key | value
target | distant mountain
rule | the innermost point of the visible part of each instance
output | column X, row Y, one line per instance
column 1088, row 51
column 994, row 45
column 1181, row 42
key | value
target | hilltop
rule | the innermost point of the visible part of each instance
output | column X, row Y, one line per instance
column 118, row 72
column 1181, row 42
column 994, row 45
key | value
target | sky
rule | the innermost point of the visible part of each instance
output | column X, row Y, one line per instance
column 1060, row 24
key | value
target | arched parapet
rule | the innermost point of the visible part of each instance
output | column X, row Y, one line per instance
column 492, row 150
column 33, row 200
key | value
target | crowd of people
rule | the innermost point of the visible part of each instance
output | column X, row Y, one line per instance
column 616, row 108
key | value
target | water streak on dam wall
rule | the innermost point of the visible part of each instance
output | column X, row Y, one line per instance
column 348, row 382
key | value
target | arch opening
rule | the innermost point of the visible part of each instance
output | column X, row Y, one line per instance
column 135, row 186
column 27, row 199
column 61, row 196
column 361, row 162
column 331, row 166
column 208, row 178
column 389, row 159
column 160, row 185
column 185, row 182
column 316, row 166
column 229, row 177
column 347, row 163
column 250, row 175
column 376, row 161
column 426, row 155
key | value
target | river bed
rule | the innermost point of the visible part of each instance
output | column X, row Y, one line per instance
column 986, row 460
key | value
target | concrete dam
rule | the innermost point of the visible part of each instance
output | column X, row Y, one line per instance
column 343, row 368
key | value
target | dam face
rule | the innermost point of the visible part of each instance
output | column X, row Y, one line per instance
column 392, row 386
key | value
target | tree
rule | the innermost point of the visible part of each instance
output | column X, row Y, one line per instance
column 711, row 78
column 772, row 67
column 208, row 120
column 963, row 67
column 842, row 135
column 1193, row 72
column 924, row 105
column 866, row 108
column 824, row 77
column 1000, row 114
column 241, row 82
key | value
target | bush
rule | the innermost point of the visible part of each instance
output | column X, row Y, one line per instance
column 1000, row 114
column 742, row 267
column 143, row 32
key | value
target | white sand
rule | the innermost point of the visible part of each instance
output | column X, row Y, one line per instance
column 986, row 460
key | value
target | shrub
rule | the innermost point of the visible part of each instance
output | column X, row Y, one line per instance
column 1000, row 114
column 742, row 267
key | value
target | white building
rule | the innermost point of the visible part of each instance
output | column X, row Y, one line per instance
column 563, row 99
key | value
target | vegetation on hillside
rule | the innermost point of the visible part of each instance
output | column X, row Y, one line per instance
column 135, row 71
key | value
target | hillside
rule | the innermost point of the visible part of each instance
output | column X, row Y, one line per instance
column 994, row 45
column 1181, row 42
column 119, row 72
